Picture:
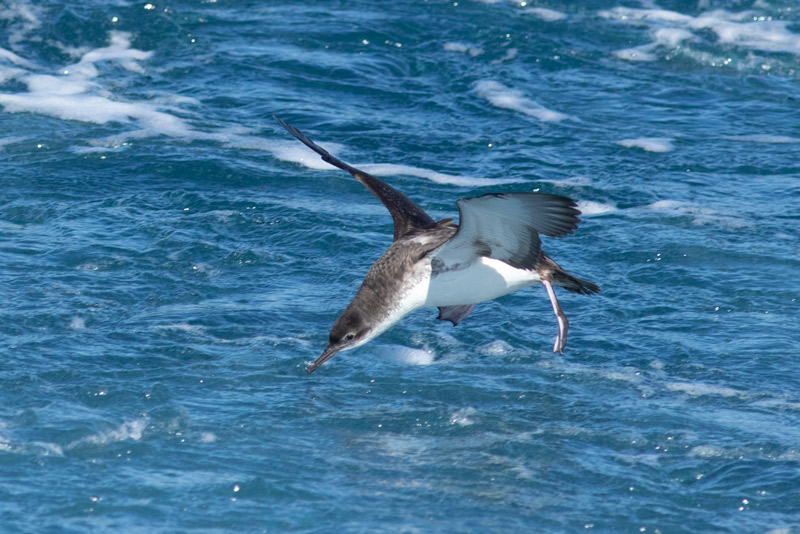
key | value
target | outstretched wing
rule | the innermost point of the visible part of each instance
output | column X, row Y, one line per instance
column 407, row 215
column 506, row 227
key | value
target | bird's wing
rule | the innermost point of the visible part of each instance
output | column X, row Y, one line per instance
column 407, row 215
column 506, row 227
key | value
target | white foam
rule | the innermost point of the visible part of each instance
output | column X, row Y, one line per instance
column 671, row 205
column 90, row 108
column 763, row 138
column 415, row 356
column 248, row 139
column 510, row 54
column 626, row 374
column 129, row 430
column 77, row 323
column 5, row 442
column 697, row 389
column 672, row 36
column 207, row 437
column 745, row 29
column 629, row 13
column 547, row 15
column 573, row 181
column 778, row 403
column 761, row 34
column 294, row 152
column 638, row 53
column 463, row 416
column 497, row 347
column 707, row 451
column 701, row 216
column 650, row 144
column 649, row 459
column 48, row 449
column 8, row 55
column 77, row 93
column 589, row 207
column 39, row 447
column 182, row 327
column 74, row 94
column 463, row 48
column 10, row 73
column 26, row 18
column 406, row 355
column 669, row 37
column 71, row 51
column 506, row 98
column 5, row 141
column 389, row 169
column 119, row 49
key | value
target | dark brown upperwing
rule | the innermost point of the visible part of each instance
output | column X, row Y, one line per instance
column 407, row 215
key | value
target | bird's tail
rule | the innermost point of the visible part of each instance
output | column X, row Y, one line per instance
column 573, row 283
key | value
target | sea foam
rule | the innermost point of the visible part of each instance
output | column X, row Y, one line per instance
column 463, row 48
column 697, row 389
column 671, row 28
column 294, row 152
column 5, row 141
column 764, row 138
column 649, row 144
column 75, row 95
column 589, row 207
column 129, row 430
column 547, row 15
column 388, row 169
column 668, row 37
column 700, row 216
column 11, row 57
column 405, row 355
column 504, row 97
column 27, row 19
column 463, row 417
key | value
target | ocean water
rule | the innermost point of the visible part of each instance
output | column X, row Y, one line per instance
column 171, row 260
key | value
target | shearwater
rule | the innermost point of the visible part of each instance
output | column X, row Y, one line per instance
column 493, row 250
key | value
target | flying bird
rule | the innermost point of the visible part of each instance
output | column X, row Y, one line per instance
column 493, row 250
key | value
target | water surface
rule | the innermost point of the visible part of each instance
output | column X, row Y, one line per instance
column 171, row 260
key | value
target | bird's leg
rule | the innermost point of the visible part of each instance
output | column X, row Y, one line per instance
column 563, row 323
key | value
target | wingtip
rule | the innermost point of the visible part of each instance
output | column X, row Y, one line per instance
column 286, row 126
column 303, row 138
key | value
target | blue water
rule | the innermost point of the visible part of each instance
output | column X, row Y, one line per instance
column 171, row 260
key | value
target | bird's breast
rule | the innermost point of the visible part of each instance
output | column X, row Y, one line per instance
column 479, row 280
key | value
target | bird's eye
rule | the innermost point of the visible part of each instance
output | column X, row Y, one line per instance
column 349, row 337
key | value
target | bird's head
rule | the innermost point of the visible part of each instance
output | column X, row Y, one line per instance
column 348, row 332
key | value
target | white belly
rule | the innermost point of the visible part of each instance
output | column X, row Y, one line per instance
column 483, row 279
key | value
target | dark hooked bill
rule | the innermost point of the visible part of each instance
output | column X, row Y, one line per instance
column 327, row 354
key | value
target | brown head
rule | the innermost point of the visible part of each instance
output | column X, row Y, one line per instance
column 349, row 331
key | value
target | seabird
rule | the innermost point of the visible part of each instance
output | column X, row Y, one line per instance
column 494, row 250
